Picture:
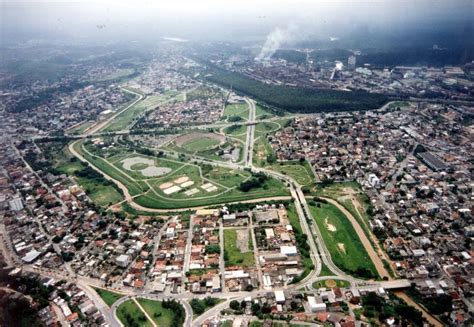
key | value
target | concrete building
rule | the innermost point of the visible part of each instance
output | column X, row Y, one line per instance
column 16, row 204
column 123, row 260
column 351, row 62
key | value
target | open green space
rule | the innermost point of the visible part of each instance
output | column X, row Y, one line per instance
column 237, row 131
column 201, row 144
column 79, row 129
column 345, row 193
column 130, row 115
column 240, row 110
column 299, row 171
column 263, row 154
column 117, row 74
column 131, row 315
column 227, row 181
column 233, row 255
column 108, row 296
column 163, row 317
column 262, row 129
column 261, row 113
column 200, row 306
column 331, row 283
column 346, row 249
column 134, row 187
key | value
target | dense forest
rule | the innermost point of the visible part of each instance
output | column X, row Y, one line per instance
column 294, row 99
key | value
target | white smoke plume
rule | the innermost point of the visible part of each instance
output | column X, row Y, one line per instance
column 274, row 41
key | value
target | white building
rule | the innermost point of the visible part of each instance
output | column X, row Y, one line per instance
column 374, row 180
column 170, row 232
column 316, row 306
column 123, row 260
column 289, row 250
column 279, row 297
column 16, row 204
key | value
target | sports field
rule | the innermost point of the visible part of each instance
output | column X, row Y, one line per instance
column 346, row 249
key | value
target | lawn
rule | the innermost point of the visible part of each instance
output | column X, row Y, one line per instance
column 108, row 296
column 237, row 131
column 150, row 200
column 200, row 144
column 301, row 172
column 238, row 109
column 261, row 129
column 331, row 283
column 134, row 187
column 163, row 317
column 346, row 249
column 233, row 256
column 130, row 314
column 226, row 177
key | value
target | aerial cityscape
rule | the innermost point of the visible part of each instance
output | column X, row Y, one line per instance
column 234, row 164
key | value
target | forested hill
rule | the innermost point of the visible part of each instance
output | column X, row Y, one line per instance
column 294, row 99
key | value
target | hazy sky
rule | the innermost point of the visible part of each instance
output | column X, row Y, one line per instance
column 225, row 19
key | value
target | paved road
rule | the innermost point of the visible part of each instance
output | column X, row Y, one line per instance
column 248, row 153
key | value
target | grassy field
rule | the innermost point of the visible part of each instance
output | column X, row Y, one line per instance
column 261, row 129
column 233, row 256
column 150, row 195
column 108, row 296
column 346, row 249
column 261, row 150
column 128, row 313
column 134, row 187
column 201, row 144
column 119, row 73
column 271, row 188
column 161, row 316
column 331, row 283
column 123, row 120
column 342, row 192
column 239, row 132
column 237, row 109
column 100, row 193
column 80, row 128
column 301, row 172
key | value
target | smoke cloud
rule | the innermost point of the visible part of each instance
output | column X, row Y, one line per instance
column 274, row 41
